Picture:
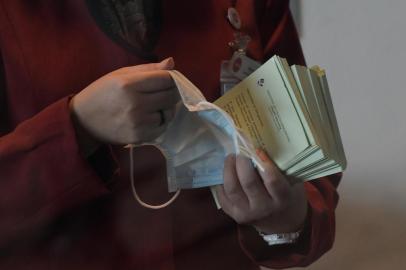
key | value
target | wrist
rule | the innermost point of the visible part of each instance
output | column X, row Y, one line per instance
column 286, row 222
column 286, row 233
column 86, row 142
column 280, row 238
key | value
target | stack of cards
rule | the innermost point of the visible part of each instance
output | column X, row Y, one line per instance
column 288, row 112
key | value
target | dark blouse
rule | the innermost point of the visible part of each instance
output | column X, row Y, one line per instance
column 59, row 210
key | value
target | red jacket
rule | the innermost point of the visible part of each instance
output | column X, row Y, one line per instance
column 59, row 210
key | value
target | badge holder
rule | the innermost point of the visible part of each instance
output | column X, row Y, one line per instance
column 240, row 65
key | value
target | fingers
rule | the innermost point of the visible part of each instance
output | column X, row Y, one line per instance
column 147, row 112
column 155, row 119
column 154, row 97
column 149, row 126
column 275, row 182
column 270, row 204
column 243, row 195
column 162, row 100
column 232, row 187
column 227, row 205
column 247, row 193
column 251, row 182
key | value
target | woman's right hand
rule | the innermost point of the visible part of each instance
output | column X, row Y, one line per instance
column 124, row 106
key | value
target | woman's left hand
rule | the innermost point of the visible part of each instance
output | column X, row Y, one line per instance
column 270, row 201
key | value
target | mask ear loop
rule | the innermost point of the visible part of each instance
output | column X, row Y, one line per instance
column 135, row 194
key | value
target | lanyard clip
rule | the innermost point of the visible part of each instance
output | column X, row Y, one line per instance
column 240, row 42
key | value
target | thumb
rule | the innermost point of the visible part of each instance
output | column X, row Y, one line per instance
column 166, row 64
column 269, row 166
column 272, row 169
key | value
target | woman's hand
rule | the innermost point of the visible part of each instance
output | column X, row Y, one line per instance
column 266, row 200
column 127, row 105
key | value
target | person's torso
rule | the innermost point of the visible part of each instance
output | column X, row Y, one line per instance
column 52, row 49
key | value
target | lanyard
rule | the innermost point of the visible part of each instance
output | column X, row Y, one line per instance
column 241, row 40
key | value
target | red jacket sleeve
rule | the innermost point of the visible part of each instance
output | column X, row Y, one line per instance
column 278, row 31
column 316, row 238
column 279, row 37
column 42, row 173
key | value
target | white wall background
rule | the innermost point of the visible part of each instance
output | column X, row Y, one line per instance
column 362, row 45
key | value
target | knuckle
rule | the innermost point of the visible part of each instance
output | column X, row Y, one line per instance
column 249, row 184
column 120, row 82
column 272, row 182
column 232, row 191
column 241, row 161
column 237, row 199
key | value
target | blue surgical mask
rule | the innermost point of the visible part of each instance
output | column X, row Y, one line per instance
column 198, row 139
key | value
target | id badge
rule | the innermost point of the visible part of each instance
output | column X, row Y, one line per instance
column 227, row 80
column 235, row 70
column 241, row 66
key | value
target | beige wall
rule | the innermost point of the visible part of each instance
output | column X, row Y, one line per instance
column 362, row 45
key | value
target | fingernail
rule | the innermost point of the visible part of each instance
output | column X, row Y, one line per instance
column 261, row 154
column 168, row 62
